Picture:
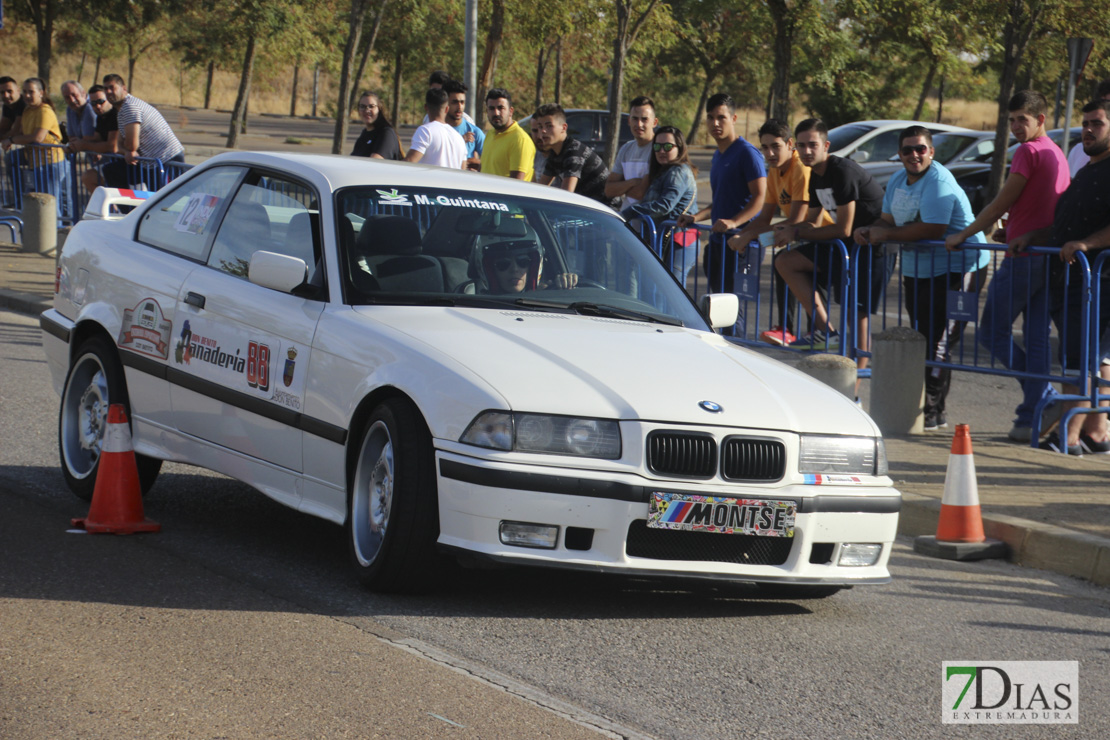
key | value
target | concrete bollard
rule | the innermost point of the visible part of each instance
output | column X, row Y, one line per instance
column 835, row 371
column 898, row 381
column 40, row 223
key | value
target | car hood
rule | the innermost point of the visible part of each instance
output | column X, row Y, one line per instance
column 579, row 365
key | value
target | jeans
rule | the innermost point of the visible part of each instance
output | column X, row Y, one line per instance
column 1019, row 287
column 50, row 178
column 683, row 260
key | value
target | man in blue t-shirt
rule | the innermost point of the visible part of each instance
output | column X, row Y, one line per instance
column 474, row 136
column 738, row 177
column 923, row 202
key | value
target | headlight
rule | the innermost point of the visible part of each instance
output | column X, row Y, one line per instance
column 555, row 435
column 848, row 455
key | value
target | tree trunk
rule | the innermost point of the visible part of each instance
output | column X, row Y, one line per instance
column 616, row 82
column 559, row 71
column 96, row 74
column 398, row 65
column 315, row 88
column 246, row 112
column 81, row 68
column 293, row 97
column 925, row 88
column 541, row 65
column 43, row 18
column 367, row 50
column 1020, row 22
column 489, row 58
column 342, row 109
column 700, row 112
column 207, row 84
column 131, row 56
column 940, row 98
column 785, row 22
column 239, row 112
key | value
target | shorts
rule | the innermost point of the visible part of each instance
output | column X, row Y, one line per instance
column 829, row 272
column 115, row 174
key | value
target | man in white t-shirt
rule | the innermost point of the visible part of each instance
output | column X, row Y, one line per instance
column 437, row 142
column 628, row 178
column 1077, row 158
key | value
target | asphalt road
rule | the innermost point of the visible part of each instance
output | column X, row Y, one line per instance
column 241, row 620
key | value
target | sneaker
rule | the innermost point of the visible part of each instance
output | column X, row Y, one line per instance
column 1052, row 442
column 1020, row 433
column 817, row 339
column 778, row 336
column 933, row 422
column 1090, row 445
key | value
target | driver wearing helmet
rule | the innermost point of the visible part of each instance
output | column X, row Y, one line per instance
column 517, row 266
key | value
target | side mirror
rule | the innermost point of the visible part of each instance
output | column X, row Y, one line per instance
column 721, row 309
column 277, row 271
column 859, row 156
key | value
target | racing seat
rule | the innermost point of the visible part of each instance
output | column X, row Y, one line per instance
column 388, row 249
column 245, row 230
column 302, row 233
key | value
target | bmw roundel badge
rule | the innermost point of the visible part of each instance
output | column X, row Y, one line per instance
column 711, row 407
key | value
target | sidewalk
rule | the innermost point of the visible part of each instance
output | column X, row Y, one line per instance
column 1053, row 511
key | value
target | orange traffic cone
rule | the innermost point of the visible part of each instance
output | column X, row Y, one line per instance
column 960, row 527
column 117, row 504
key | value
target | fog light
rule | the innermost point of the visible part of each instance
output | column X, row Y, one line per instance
column 523, row 534
column 855, row 555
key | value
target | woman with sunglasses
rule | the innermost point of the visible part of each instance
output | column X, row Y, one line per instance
column 378, row 139
column 672, row 190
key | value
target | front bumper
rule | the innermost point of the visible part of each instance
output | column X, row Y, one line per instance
column 602, row 510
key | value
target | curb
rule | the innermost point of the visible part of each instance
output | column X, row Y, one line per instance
column 27, row 303
column 1032, row 544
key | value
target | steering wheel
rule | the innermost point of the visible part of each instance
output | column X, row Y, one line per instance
column 587, row 283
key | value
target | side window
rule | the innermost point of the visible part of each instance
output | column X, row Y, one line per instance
column 272, row 214
column 183, row 221
column 581, row 126
column 881, row 147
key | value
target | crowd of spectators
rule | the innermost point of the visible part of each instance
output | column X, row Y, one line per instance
column 115, row 131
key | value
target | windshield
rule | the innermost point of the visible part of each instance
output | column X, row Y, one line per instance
column 843, row 136
column 433, row 246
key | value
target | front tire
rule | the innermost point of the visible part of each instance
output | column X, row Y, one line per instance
column 95, row 381
column 392, row 511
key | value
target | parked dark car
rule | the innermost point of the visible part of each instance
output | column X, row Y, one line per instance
column 952, row 147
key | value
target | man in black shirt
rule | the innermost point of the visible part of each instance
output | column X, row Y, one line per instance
column 579, row 166
column 12, row 109
column 853, row 199
column 105, row 140
column 1081, row 223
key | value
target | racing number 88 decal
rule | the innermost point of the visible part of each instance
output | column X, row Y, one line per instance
column 258, row 366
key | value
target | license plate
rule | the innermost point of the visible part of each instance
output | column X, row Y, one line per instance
column 763, row 517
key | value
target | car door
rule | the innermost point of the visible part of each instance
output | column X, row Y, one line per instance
column 173, row 238
column 241, row 375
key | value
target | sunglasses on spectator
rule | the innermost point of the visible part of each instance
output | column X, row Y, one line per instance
column 665, row 147
column 504, row 263
column 919, row 149
column 98, row 101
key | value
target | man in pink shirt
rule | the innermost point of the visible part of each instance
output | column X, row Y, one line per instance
column 1038, row 175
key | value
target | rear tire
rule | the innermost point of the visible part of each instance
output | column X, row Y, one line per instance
column 392, row 504
column 95, row 381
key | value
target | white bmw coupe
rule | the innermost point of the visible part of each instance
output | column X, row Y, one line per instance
column 454, row 363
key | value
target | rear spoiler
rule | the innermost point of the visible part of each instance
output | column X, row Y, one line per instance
column 102, row 200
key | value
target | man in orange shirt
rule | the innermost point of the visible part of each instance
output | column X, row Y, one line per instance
column 787, row 193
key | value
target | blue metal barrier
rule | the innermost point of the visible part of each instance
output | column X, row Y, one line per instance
column 174, row 170
column 11, row 222
column 42, row 168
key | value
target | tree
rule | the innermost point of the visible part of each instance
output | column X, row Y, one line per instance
column 630, row 18
column 355, row 21
column 787, row 16
column 42, row 14
column 255, row 21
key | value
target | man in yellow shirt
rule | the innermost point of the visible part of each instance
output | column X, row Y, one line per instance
column 788, row 193
column 509, row 150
